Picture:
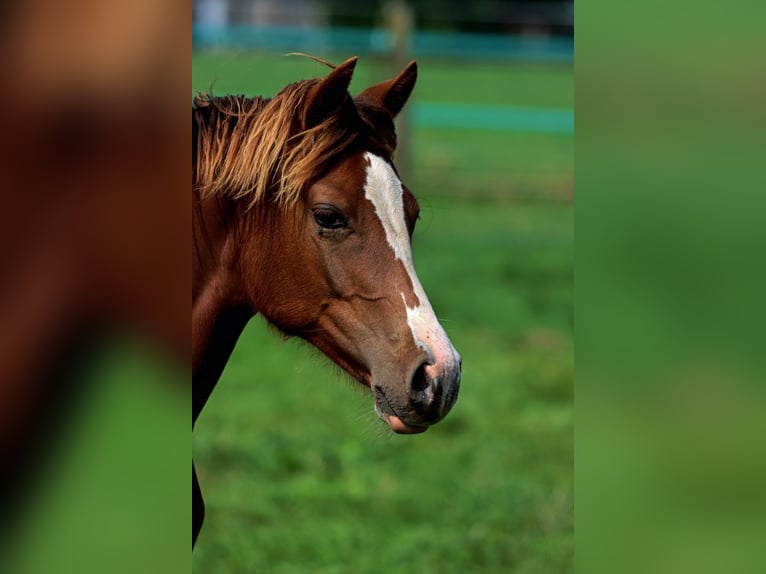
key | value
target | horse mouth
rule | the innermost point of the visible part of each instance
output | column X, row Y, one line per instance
column 387, row 414
column 383, row 407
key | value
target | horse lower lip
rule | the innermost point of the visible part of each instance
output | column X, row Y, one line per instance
column 400, row 427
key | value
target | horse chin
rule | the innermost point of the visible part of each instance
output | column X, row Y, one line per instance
column 400, row 427
column 397, row 424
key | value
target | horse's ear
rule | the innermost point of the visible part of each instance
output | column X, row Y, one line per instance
column 327, row 97
column 393, row 93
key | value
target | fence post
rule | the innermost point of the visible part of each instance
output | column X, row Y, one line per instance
column 400, row 21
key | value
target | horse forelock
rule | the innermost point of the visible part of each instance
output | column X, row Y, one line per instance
column 253, row 149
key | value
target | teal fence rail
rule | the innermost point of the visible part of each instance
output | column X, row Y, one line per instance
column 380, row 41
column 493, row 118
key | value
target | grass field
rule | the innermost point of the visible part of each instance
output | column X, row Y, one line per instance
column 300, row 476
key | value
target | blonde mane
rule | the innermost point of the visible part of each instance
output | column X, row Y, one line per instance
column 251, row 149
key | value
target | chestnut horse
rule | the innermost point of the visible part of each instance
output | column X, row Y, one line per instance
column 299, row 214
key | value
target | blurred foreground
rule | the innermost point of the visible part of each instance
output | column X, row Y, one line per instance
column 671, row 458
column 94, row 273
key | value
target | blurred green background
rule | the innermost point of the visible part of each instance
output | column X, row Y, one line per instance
column 298, row 473
column 671, row 460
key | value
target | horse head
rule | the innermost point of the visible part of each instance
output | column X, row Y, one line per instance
column 334, row 265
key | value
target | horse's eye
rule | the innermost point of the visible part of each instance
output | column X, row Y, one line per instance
column 329, row 217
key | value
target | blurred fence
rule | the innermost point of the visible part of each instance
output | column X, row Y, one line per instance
column 493, row 29
column 379, row 41
column 493, row 118
column 499, row 121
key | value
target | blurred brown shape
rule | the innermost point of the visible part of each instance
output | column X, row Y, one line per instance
column 109, row 49
column 94, row 211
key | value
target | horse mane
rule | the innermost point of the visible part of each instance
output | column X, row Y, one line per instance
column 251, row 149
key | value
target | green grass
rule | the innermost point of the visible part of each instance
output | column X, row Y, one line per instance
column 474, row 164
column 298, row 473
column 487, row 83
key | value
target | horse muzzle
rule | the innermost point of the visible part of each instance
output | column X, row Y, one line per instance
column 430, row 394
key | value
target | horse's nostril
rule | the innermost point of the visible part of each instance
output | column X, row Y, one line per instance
column 419, row 381
column 425, row 393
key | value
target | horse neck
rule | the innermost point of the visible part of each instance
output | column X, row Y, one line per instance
column 219, row 311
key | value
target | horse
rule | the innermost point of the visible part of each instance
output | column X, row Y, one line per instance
column 299, row 215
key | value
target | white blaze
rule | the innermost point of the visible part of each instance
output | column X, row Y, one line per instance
column 384, row 190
